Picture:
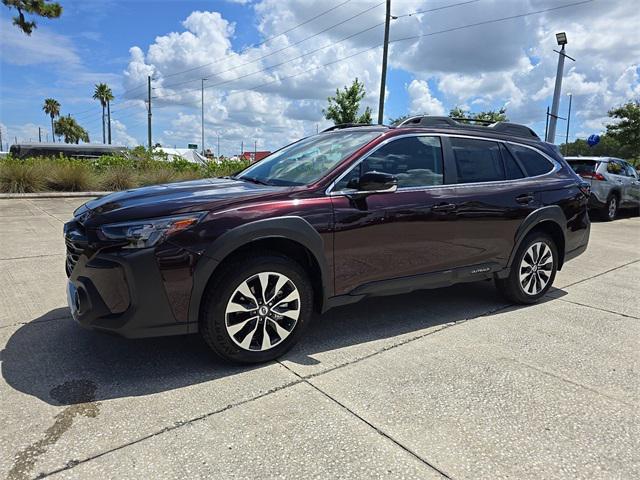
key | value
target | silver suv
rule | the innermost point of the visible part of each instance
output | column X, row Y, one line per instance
column 614, row 183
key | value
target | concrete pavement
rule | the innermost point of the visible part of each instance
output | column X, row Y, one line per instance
column 444, row 383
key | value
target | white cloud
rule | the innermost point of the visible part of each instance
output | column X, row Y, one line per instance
column 422, row 101
column 120, row 136
column 42, row 46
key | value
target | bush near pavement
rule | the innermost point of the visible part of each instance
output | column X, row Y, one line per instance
column 111, row 172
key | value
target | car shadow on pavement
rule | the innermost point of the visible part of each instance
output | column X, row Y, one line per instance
column 55, row 360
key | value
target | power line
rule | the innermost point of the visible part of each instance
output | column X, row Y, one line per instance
column 496, row 20
column 279, row 50
column 262, row 42
column 435, row 9
column 471, row 25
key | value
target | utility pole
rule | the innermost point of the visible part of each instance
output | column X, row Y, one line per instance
column 566, row 138
column 255, row 149
column 546, row 125
column 218, row 145
column 39, row 136
column 149, row 111
column 202, row 112
column 0, row 138
column 385, row 51
column 242, row 148
column 553, row 120
column 109, row 121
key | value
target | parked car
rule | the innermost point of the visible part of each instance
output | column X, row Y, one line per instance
column 328, row 220
column 614, row 184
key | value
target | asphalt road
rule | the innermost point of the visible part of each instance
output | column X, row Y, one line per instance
column 445, row 383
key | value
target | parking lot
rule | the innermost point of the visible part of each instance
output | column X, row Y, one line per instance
column 450, row 383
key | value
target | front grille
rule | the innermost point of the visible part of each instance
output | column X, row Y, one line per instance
column 76, row 243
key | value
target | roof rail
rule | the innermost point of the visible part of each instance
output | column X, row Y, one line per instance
column 508, row 128
column 347, row 125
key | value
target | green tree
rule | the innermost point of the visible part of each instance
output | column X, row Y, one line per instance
column 70, row 130
column 626, row 130
column 103, row 94
column 344, row 106
column 52, row 108
column 42, row 8
column 489, row 115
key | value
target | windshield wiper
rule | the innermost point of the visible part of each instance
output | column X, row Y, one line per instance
column 252, row 180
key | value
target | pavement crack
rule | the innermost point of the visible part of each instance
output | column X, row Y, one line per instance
column 599, row 274
column 570, row 382
column 176, row 425
column 33, row 256
column 409, row 340
column 378, row 430
column 606, row 310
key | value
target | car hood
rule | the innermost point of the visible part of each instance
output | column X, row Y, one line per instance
column 169, row 199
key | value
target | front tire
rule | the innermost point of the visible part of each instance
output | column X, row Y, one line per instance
column 533, row 270
column 255, row 309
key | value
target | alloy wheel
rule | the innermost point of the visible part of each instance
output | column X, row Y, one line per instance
column 613, row 207
column 262, row 311
column 536, row 268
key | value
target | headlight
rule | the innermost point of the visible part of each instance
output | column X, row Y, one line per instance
column 147, row 233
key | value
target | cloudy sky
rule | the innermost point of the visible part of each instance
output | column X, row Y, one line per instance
column 270, row 65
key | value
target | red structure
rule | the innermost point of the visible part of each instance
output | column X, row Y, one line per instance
column 255, row 156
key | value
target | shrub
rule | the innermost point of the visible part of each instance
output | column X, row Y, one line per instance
column 20, row 177
column 70, row 176
column 157, row 176
column 118, row 177
column 225, row 167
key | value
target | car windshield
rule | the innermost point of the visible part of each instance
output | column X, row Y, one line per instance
column 307, row 160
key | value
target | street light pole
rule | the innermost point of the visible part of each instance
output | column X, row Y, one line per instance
column 385, row 51
column 202, row 117
column 553, row 120
column 149, row 112
column 566, row 139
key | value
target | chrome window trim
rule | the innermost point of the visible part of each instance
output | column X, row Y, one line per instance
column 554, row 163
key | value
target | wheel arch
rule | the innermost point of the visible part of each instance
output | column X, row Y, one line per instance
column 550, row 220
column 293, row 237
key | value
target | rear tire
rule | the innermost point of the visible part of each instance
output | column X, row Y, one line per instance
column 256, row 308
column 533, row 270
column 610, row 212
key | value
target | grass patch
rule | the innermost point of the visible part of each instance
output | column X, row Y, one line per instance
column 113, row 172
column 20, row 177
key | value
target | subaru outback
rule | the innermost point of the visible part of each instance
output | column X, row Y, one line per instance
column 349, row 213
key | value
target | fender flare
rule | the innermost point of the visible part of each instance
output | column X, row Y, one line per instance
column 292, row 228
column 551, row 213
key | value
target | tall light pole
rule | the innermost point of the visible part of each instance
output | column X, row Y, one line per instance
column 561, row 38
column 385, row 51
column 202, row 118
column 149, row 112
column 566, row 139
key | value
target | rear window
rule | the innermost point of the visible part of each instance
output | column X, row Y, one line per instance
column 533, row 162
column 583, row 167
column 477, row 160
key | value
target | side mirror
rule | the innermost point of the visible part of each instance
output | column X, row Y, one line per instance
column 376, row 182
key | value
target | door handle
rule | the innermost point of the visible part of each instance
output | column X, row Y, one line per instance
column 444, row 207
column 525, row 198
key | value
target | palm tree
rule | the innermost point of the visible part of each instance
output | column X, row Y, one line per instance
column 103, row 93
column 52, row 108
column 71, row 130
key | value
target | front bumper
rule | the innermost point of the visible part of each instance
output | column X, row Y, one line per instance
column 125, row 291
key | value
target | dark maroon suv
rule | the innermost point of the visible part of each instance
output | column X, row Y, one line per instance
column 346, row 214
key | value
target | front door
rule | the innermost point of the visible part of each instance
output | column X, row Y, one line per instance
column 384, row 236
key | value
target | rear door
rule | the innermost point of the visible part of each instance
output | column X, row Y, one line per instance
column 494, row 193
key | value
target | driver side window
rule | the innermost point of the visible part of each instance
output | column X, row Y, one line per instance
column 414, row 161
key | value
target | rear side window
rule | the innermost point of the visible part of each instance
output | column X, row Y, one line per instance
column 477, row 160
column 511, row 167
column 533, row 162
column 615, row 167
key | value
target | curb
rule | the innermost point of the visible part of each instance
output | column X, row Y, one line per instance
column 53, row 195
